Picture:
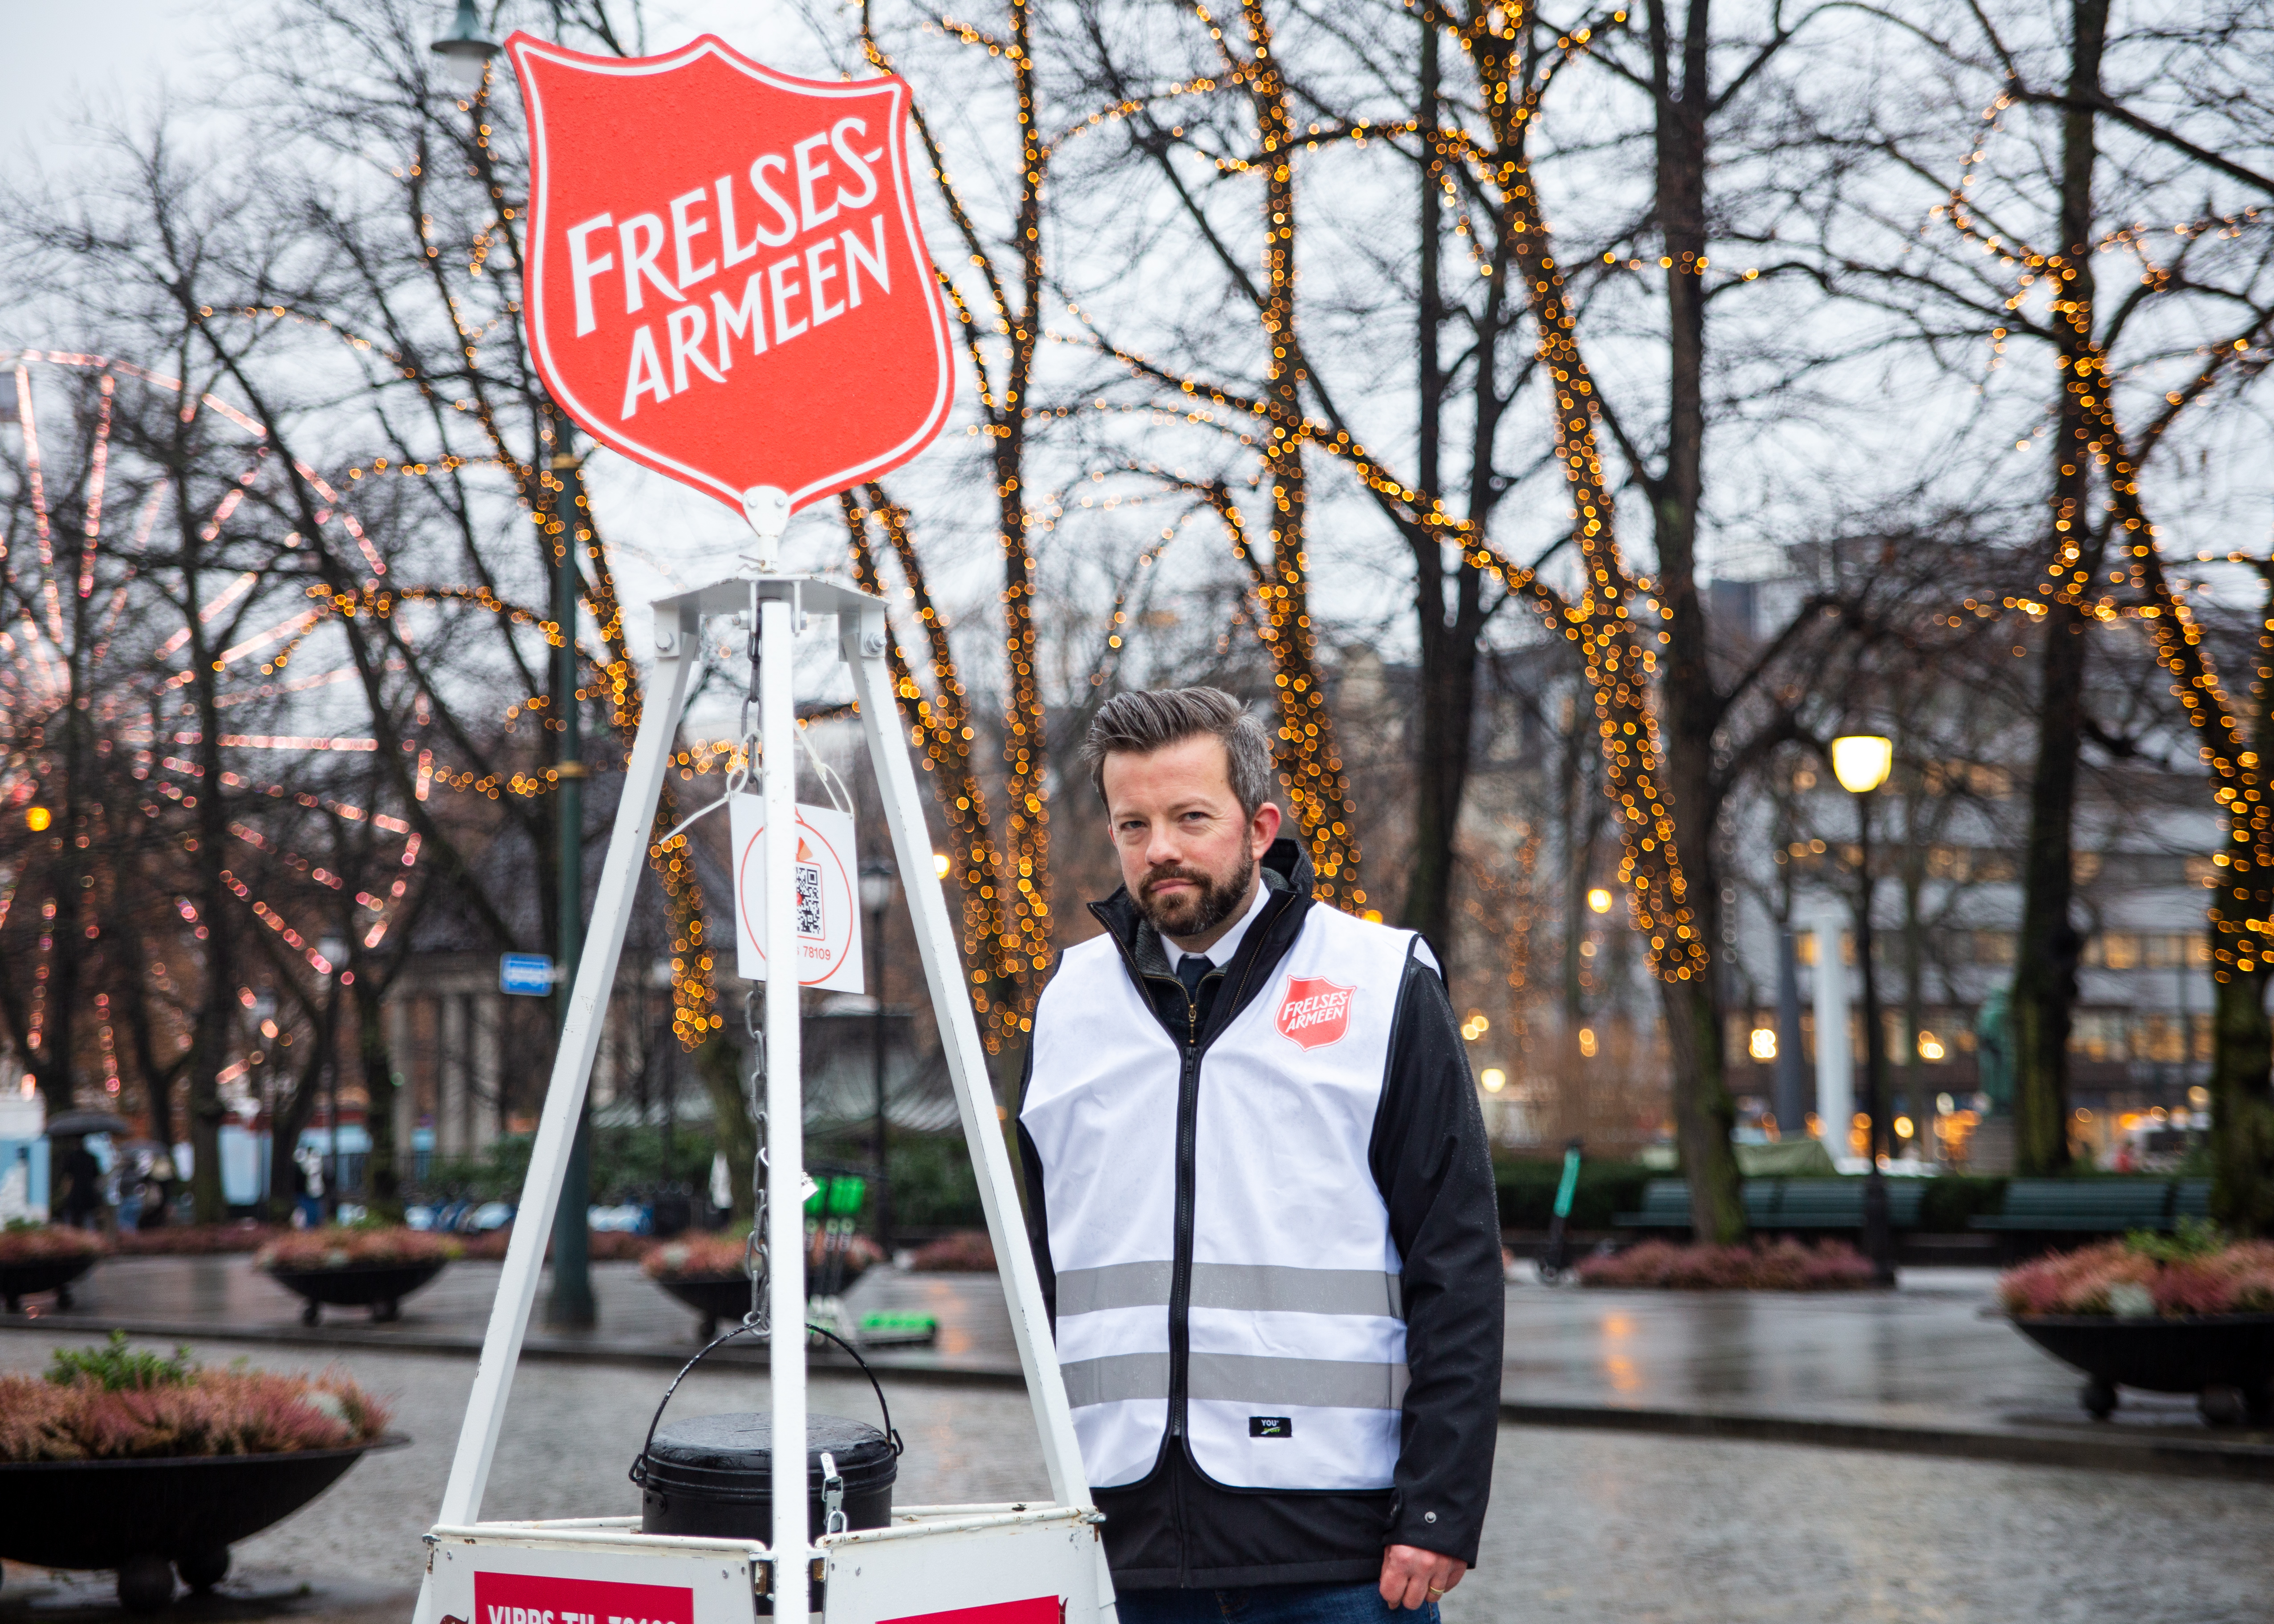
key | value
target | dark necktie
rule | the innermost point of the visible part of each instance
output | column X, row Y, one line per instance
column 1192, row 970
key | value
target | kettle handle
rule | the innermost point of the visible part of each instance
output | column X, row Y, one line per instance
column 639, row 1473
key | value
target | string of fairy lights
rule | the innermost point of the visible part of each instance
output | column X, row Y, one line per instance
column 1604, row 620
column 1318, row 787
column 1011, row 873
column 552, row 495
column 941, row 731
column 1310, row 764
column 2241, row 900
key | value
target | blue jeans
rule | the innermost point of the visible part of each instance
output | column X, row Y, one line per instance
column 1271, row 1604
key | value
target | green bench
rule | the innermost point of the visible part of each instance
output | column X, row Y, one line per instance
column 1782, row 1203
column 1665, row 1206
column 2192, row 1200
column 1838, row 1203
column 2086, row 1206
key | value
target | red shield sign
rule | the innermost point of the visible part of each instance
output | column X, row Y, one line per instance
column 1315, row 1011
column 726, row 278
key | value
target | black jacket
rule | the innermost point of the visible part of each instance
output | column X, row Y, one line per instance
column 1178, row 1528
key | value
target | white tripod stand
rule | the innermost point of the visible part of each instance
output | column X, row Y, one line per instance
column 1006, row 1561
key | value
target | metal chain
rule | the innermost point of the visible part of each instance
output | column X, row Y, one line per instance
column 755, row 1258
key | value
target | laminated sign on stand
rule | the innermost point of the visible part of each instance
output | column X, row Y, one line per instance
column 827, row 910
column 726, row 282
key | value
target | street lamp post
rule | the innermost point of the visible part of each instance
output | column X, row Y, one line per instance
column 1860, row 761
column 877, row 896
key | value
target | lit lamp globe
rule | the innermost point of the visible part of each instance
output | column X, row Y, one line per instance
column 1862, row 762
column 466, row 51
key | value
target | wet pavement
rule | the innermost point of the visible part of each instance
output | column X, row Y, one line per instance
column 225, row 1295
column 1926, row 1367
column 1585, row 1525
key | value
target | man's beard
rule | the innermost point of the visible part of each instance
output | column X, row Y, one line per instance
column 1196, row 912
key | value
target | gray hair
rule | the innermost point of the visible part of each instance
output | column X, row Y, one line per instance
column 1141, row 722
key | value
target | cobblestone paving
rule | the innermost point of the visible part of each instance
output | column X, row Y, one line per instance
column 1585, row 1525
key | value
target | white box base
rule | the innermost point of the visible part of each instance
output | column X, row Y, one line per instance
column 998, row 1564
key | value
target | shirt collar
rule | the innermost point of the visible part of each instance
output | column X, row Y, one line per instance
column 1227, row 943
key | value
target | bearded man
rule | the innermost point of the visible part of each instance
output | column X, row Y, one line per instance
column 1261, row 1203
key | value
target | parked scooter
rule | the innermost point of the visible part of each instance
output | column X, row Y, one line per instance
column 1556, row 1261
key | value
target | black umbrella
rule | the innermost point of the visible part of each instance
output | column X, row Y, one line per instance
column 70, row 1125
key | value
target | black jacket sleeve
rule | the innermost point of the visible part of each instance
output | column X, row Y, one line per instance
column 1038, row 1223
column 1433, row 1165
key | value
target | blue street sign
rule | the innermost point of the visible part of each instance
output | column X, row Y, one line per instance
column 530, row 975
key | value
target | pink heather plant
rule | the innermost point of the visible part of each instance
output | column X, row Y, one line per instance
column 697, row 1254
column 310, row 1250
column 2236, row 1278
column 1777, row 1266
column 691, row 1255
column 214, row 1412
column 963, row 1252
column 44, row 1243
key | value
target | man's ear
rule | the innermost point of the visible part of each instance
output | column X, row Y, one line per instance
column 1264, row 829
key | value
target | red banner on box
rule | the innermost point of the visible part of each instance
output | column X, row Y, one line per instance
column 1033, row 1610
column 531, row 1598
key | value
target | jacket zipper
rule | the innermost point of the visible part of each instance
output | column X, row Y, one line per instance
column 1181, row 1267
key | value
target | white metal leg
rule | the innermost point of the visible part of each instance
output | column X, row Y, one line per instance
column 784, row 1105
column 564, row 1094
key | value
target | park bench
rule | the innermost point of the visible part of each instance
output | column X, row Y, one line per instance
column 1782, row 1204
column 2191, row 1200
column 2085, row 1206
column 1665, row 1206
column 1838, row 1204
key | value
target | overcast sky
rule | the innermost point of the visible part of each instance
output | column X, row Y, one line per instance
column 110, row 55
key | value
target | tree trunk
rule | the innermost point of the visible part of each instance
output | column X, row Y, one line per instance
column 384, row 1173
column 719, row 1062
column 1448, row 702
column 2044, row 984
column 286, row 1124
column 2243, row 1052
column 2242, row 1104
column 1703, row 1112
column 1448, row 644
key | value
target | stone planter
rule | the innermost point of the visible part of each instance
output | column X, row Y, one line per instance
column 2226, row 1360
column 151, row 1518
column 713, row 1297
column 379, row 1287
column 35, row 1276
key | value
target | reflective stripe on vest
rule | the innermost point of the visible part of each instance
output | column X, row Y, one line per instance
column 1297, row 1348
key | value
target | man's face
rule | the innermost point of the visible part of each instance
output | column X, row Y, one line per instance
column 1187, row 851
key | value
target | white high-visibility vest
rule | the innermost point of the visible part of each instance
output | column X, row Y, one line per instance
column 1297, row 1345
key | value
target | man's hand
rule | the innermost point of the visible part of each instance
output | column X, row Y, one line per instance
column 1412, row 1577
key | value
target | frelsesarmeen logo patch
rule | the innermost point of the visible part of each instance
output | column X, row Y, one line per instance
column 1315, row 1012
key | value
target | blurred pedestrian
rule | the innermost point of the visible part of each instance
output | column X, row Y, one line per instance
column 158, row 1181
column 81, row 1177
